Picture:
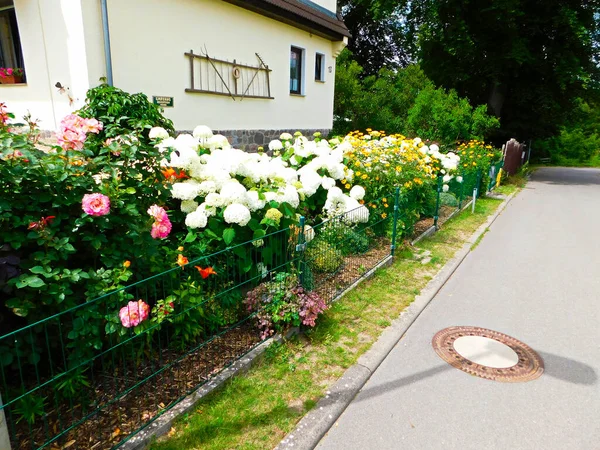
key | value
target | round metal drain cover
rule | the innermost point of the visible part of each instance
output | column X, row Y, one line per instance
column 488, row 354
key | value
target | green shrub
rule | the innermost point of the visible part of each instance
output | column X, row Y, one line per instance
column 322, row 257
column 349, row 240
column 448, row 199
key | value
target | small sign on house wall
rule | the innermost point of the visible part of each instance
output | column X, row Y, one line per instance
column 164, row 102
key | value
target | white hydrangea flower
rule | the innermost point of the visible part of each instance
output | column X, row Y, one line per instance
column 196, row 219
column 188, row 206
column 310, row 180
column 445, row 188
column 158, row 133
column 334, row 141
column 202, row 132
column 275, row 144
column 355, row 212
column 459, row 179
column 218, row 141
column 209, row 211
column 187, row 190
column 207, row 187
column 434, row 147
column 213, row 199
column 237, row 213
column 357, row 192
column 335, row 193
column 286, row 137
column 254, row 202
column 446, row 178
column 233, row 192
column 327, row 183
column 289, row 195
column 416, row 141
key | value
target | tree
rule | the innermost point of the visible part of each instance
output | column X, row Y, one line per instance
column 377, row 40
column 528, row 60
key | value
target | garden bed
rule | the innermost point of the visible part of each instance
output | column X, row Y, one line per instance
column 147, row 393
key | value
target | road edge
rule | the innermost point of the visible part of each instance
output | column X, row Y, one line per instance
column 317, row 422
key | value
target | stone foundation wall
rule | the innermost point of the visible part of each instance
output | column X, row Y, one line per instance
column 250, row 140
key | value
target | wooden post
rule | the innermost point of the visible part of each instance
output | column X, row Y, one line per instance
column 4, row 438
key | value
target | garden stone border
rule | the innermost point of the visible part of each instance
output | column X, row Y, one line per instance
column 317, row 422
column 162, row 424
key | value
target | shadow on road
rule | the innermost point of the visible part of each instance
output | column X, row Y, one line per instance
column 555, row 366
column 567, row 176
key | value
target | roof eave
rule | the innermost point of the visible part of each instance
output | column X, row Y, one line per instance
column 335, row 33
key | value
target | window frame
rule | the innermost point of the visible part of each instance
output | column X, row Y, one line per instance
column 19, row 61
column 300, row 52
column 321, row 75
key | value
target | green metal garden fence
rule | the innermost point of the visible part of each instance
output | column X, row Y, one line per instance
column 82, row 377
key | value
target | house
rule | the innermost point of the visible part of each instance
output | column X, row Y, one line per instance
column 247, row 68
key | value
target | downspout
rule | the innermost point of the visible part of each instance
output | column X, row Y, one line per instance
column 107, row 55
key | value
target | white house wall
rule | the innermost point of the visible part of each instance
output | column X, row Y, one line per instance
column 54, row 51
column 149, row 39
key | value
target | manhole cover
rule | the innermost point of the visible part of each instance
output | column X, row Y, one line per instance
column 488, row 354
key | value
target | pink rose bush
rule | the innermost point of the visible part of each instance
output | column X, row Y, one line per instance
column 134, row 313
column 95, row 204
column 162, row 225
column 74, row 129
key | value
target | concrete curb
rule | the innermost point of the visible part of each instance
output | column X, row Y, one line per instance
column 311, row 429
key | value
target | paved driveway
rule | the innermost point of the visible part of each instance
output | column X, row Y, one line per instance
column 534, row 276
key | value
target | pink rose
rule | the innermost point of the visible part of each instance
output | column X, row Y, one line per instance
column 9, row 71
column 161, row 230
column 162, row 225
column 95, row 204
column 134, row 313
column 158, row 213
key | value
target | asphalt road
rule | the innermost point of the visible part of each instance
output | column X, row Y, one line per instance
column 534, row 276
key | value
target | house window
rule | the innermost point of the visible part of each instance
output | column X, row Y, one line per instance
column 296, row 67
column 11, row 55
column 319, row 67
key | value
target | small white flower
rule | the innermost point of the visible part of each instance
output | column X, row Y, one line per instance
column 196, row 219
column 434, row 148
column 158, row 133
column 237, row 213
column 286, row 137
column 447, row 178
column 202, row 132
column 445, row 188
column 357, row 192
column 459, row 179
column 327, row 183
column 275, row 144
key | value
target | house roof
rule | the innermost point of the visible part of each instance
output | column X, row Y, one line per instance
column 302, row 14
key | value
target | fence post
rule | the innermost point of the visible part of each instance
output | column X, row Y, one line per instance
column 437, row 202
column 4, row 439
column 300, row 248
column 476, row 190
column 462, row 190
column 395, row 225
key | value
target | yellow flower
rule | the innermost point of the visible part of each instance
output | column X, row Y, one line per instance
column 358, row 173
column 126, row 264
column 344, row 181
column 179, row 249
column 347, row 186
column 384, row 215
column 384, row 199
column 365, row 176
column 385, row 205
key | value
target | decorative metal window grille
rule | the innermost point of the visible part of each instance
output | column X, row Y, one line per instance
column 218, row 77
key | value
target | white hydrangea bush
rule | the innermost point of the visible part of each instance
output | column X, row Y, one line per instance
column 237, row 196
